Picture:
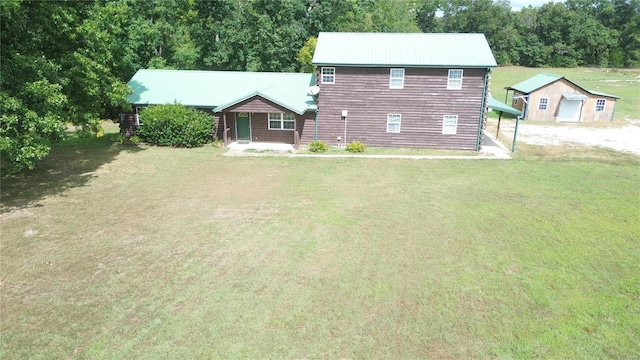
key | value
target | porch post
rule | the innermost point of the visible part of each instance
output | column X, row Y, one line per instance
column 225, row 138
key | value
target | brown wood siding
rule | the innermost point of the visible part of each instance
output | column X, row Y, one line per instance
column 422, row 103
column 257, row 104
column 260, row 130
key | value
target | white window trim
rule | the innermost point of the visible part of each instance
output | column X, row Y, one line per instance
column 389, row 122
column 333, row 76
column 391, row 78
column 604, row 105
column 449, row 79
column 446, row 129
column 281, row 120
column 546, row 104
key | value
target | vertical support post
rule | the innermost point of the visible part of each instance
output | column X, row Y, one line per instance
column 499, row 118
column 225, row 136
column 515, row 135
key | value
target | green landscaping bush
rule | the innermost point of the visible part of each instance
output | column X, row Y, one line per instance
column 318, row 146
column 356, row 146
column 175, row 125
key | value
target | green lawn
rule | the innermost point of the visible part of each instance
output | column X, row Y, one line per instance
column 624, row 83
column 112, row 251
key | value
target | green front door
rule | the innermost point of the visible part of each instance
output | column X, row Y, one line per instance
column 243, row 126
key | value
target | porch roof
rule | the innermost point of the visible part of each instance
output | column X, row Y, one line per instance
column 500, row 106
column 218, row 90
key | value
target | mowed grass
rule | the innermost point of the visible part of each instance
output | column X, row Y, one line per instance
column 122, row 252
column 624, row 83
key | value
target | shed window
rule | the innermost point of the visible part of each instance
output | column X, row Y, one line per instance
column 393, row 123
column 396, row 79
column 280, row 121
column 600, row 103
column 455, row 79
column 543, row 103
column 450, row 124
column 328, row 75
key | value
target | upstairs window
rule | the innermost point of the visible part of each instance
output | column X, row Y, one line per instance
column 396, row 79
column 328, row 75
column 450, row 124
column 280, row 121
column 455, row 79
column 393, row 123
column 600, row 103
column 543, row 103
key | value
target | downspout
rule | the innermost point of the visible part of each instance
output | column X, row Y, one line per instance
column 316, row 125
column 482, row 108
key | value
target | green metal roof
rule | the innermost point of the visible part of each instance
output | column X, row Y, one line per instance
column 221, row 89
column 500, row 106
column 403, row 49
column 544, row 79
column 534, row 83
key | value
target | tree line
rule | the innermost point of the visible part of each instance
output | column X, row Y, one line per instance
column 69, row 61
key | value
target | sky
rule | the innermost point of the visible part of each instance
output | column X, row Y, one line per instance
column 517, row 5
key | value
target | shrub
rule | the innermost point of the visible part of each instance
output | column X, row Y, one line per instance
column 318, row 146
column 135, row 139
column 175, row 125
column 356, row 146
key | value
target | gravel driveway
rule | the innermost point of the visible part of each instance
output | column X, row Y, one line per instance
column 624, row 139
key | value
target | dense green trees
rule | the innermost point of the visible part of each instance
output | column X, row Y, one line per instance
column 68, row 61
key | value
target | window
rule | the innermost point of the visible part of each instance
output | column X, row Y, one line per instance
column 393, row 123
column 396, row 79
column 600, row 104
column 450, row 124
column 328, row 75
column 280, row 121
column 543, row 103
column 455, row 79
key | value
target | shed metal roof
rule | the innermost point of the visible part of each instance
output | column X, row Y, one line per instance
column 403, row 49
column 543, row 79
column 220, row 89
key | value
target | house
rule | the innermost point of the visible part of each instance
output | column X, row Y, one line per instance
column 384, row 89
column 247, row 106
column 413, row 90
column 548, row 97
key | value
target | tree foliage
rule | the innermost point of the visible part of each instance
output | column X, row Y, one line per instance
column 69, row 61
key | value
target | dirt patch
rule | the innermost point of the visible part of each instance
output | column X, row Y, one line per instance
column 624, row 139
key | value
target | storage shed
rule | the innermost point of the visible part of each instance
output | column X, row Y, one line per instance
column 549, row 97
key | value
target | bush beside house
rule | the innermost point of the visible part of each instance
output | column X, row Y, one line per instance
column 175, row 125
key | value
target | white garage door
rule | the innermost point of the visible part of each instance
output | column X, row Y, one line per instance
column 569, row 110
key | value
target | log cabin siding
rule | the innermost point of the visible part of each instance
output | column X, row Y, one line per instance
column 422, row 103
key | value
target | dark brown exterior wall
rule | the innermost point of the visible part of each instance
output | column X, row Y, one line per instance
column 422, row 103
column 259, row 109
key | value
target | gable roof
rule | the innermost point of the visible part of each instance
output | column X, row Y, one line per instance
column 403, row 49
column 219, row 90
column 543, row 79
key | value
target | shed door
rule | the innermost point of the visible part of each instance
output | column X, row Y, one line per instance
column 569, row 110
column 243, row 126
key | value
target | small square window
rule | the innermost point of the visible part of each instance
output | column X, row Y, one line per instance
column 450, row 124
column 455, row 79
column 396, row 79
column 328, row 75
column 393, row 123
column 543, row 103
column 600, row 104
